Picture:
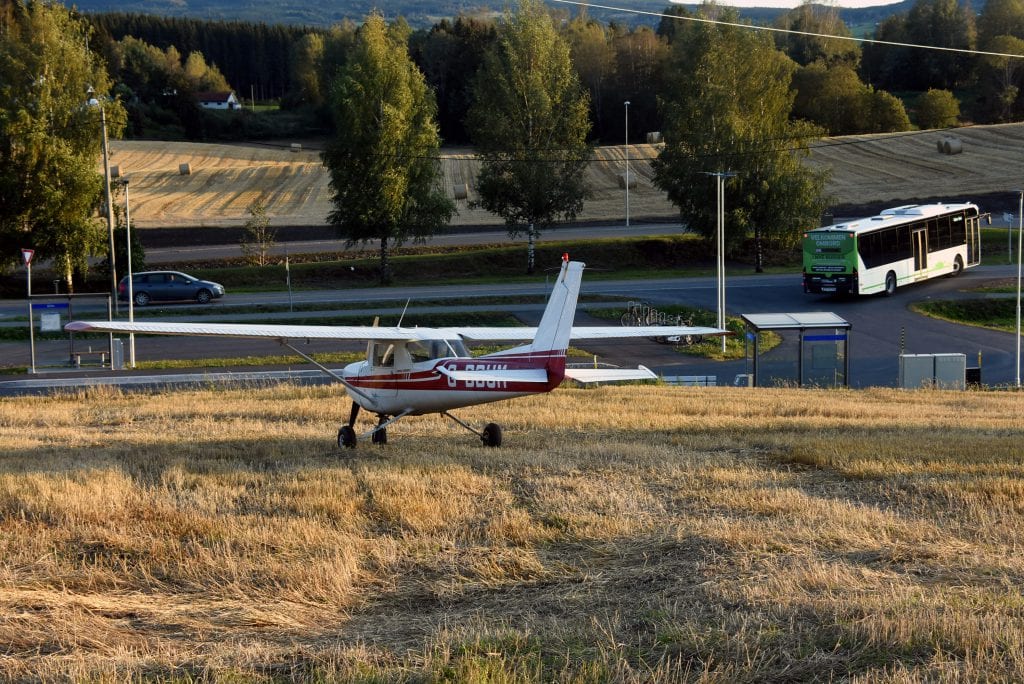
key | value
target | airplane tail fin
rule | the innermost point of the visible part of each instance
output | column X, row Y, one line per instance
column 555, row 327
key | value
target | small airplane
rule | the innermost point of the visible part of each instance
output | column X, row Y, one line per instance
column 416, row 371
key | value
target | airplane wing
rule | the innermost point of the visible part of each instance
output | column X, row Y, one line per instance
column 593, row 332
column 366, row 332
column 278, row 332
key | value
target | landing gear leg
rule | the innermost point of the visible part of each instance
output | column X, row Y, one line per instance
column 380, row 434
column 347, row 433
column 490, row 435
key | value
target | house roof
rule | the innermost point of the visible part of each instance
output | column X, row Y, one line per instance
column 215, row 95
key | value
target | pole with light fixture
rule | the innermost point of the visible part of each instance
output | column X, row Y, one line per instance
column 627, row 163
column 720, row 177
column 131, row 291
column 1020, row 232
column 94, row 102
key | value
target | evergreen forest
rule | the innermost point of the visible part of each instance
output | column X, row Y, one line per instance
column 159, row 63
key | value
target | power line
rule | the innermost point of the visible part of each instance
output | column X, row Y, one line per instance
column 775, row 29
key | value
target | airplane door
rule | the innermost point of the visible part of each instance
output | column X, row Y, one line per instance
column 920, row 241
column 381, row 357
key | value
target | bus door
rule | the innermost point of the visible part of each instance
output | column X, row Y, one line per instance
column 919, row 238
column 973, row 241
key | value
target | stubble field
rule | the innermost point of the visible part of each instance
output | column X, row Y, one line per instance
column 225, row 179
column 651, row 534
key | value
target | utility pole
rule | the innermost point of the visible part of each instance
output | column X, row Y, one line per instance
column 720, row 177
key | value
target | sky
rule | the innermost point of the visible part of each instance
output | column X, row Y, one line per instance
column 789, row 4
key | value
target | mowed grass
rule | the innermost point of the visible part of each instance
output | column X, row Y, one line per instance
column 637, row 534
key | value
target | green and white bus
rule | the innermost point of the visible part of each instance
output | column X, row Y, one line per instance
column 900, row 246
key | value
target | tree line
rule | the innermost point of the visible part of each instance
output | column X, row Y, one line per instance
column 532, row 91
column 840, row 86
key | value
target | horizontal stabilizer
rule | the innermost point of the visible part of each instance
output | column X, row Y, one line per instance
column 610, row 374
column 536, row 375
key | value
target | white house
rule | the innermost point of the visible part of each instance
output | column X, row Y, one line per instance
column 218, row 100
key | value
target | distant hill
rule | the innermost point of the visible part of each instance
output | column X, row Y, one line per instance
column 419, row 13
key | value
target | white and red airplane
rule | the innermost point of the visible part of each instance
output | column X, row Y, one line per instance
column 415, row 371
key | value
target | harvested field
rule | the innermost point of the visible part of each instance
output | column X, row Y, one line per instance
column 730, row 535
column 225, row 179
column 907, row 166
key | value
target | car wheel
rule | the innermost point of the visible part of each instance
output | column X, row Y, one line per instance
column 141, row 298
column 204, row 296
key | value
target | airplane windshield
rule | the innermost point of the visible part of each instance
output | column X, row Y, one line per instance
column 456, row 347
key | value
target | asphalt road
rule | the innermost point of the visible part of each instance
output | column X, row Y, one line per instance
column 882, row 327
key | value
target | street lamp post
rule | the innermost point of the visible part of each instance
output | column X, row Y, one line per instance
column 94, row 102
column 627, row 163
column 131, row 291
column 1020, row 232
column 720, row 177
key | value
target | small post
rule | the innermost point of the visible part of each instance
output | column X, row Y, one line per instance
column 26, row 255
column 288, row 278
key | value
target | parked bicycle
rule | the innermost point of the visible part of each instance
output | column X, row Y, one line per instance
column 638, row 313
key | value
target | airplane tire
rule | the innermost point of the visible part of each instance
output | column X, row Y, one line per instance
column 491, row 436
column 347, row 437
column 380, row 437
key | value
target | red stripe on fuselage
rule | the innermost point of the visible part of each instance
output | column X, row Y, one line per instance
column 433, row 380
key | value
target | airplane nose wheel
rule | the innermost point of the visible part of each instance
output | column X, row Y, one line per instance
column 347, row 437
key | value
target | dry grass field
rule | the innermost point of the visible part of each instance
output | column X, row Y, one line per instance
column 626, row 534
column 225, row 179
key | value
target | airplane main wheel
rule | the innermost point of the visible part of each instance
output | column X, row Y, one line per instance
column 380, row 437
column 491, row 435
column 347, row 437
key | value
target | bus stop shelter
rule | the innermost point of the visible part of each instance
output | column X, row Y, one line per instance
column 823, row 352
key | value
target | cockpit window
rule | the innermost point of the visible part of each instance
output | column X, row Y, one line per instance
column 419, row 351
column 383, row 354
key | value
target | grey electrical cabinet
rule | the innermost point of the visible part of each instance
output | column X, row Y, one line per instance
column 944, row 371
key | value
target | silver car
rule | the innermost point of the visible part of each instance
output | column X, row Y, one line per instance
column 151, row 286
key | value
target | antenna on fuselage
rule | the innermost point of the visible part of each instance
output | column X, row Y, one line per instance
column 402, row 317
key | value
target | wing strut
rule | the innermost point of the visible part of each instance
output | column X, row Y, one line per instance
column 348, row 385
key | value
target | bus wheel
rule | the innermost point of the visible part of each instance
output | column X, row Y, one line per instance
column 958, row 267
column 890, row 284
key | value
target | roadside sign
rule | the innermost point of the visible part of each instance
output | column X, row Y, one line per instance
column 26, row 255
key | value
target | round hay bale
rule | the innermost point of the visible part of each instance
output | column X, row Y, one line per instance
column 460, row 191
column 296, row 147
column 952, row 146
column 115, row 171
column 654, row 138
column 632, row 180
column 185, row 169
